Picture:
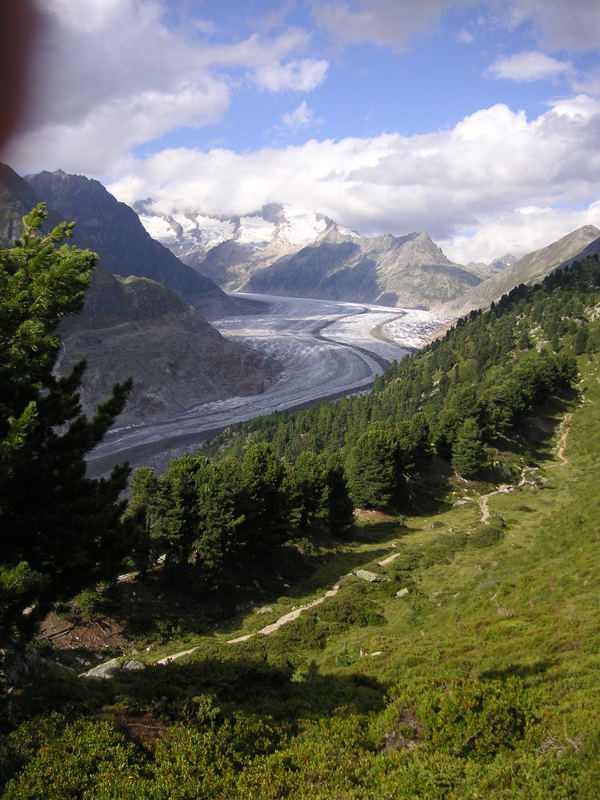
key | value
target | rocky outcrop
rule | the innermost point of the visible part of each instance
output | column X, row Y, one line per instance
column 20, row 663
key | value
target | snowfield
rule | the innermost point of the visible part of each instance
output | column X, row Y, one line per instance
column 319, row 349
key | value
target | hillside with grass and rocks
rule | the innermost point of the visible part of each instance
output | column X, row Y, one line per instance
column 394, row 595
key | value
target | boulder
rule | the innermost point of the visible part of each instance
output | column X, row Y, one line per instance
column 103, row 671
column 265, row 610
column 133, row 666
column 366, row 575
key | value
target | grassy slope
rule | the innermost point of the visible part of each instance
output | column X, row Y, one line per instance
column 494, row 639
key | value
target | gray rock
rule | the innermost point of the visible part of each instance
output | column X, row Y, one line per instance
column 103, row 671
column 503, row 470
column 265, row 610
column 133, row 666
column 19, row 664
column 459, row 503
column 366, row 575
column 402, row 592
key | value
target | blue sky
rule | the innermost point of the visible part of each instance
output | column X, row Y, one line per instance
column 479, row 122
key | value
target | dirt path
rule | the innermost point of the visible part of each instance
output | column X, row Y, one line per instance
column 388, row 560
column 175, row 656
column 483, row 501
column 504, row 488
column 268, row 629
column 292, row 615
column 565, row 426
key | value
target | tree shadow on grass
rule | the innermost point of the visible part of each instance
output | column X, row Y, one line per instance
column 237, row 682
column 534, row 436
column 522, row 671
column 158, row 610
column 379, row 531
column 240, row 684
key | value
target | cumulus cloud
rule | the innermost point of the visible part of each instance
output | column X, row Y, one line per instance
column 491, row 164
column 527, row 67
column 300, row 118
column 87, row 144
column 112, row 74
column 300, row 75
column 518, row 232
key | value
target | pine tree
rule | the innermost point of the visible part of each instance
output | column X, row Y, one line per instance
column 467, row 451
column 60, row 531
column 308, row 484
column 265, row 502
column 372, row 468
column 340, row 508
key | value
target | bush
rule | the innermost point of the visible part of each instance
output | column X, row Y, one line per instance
column 352, row 607
column 487, row 535
column 466, row 718
column 72, row 765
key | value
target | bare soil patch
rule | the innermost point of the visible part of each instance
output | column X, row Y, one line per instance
column 141, row 728
column 97, row 635
column 369, row 514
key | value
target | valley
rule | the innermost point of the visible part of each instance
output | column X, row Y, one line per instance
column 319, row 349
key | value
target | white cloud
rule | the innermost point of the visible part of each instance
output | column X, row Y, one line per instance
column 299, row 118
column 559, row 25
column 301, row 75
column 465, row 37
column 492, row 163
column 529, row 66
column 112, row 74
column 111, row 128
column 518, row 232
column 588, row 83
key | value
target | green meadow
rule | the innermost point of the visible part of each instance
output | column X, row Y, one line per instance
column 482, row 679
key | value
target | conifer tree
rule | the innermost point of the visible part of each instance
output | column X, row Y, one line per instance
column 265, row 503
column 373, row 468
column 308, row 480
column 340, row 508
column 60, row 531
column 467, row 451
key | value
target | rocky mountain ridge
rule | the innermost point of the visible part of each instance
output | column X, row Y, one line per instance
column 287, row 250
column 530, row 269
column 408, row 271
column 229, row 249
column 135, row 326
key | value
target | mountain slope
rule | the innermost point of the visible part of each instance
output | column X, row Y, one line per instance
column 409, row 271
column 114, row 231
column 137, row 327
column 530, row 269
column 592, row 249
column 448, row 652
column 17, row 198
